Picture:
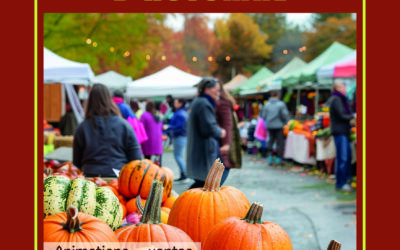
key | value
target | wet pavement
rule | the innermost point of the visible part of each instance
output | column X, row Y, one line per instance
column 305, row 205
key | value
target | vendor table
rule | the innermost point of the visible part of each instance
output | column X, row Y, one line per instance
column 297, row 148
column 60, row 154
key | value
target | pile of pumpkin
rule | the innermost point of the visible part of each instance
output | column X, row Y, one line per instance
column 306, row 128
column 198, row 215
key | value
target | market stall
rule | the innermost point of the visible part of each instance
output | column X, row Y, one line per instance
column 169, row 80
column 307, row 75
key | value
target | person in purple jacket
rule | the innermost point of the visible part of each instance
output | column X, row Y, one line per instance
column 152, row 148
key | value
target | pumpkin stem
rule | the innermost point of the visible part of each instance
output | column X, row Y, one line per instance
column 72, row 224
column 334, row 245
column 152, row 209
column 254, row 214
column 213, row 180
column 139, row 204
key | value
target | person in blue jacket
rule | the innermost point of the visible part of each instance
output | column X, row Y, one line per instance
column 177, row 128
column 126, row 111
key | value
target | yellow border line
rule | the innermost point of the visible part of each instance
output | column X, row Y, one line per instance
column 35, row 129
column 364, row 115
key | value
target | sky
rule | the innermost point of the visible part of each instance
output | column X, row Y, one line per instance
column 176, row 22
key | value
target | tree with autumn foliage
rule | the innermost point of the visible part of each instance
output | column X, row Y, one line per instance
column 324, row 33
column 107, row 41
column 239, row 43
column 197, row 40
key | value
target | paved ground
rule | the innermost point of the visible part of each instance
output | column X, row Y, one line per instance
column 305, row 205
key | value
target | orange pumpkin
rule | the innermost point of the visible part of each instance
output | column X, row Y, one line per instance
column 72, row 226
column 121, row 199
column 165, row 214
column 136, row 177
column 167, row 182
column 124, row 211
column 131, row 205
column 151, row 230
column 170, row 201
column 247, row 233
column 204, row 207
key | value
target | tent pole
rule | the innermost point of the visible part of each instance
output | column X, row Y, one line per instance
column 298, row 97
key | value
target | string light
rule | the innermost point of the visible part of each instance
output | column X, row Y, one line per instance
column 194, row 59
column 147, row 57
column 88, row 41
column 127, row 53
column 228, row 58
column 94, row 44
column 163, row 58
column 112, row 49
column 210, row 58
column 285, row 51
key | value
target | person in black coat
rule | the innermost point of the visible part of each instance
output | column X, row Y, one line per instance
column 104, row 140
column 340, row 117
column 203, row 132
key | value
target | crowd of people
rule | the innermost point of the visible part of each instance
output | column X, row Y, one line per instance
column 115, row 133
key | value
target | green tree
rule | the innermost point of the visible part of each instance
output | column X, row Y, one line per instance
column 238, row 38
column 324, row 34
column 290, row 42
column 107, row 41
column 274, row 25
column 323, row 17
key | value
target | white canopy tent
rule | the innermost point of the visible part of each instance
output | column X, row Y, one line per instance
column 113, row 80
column 61, row 70
column 169, row 80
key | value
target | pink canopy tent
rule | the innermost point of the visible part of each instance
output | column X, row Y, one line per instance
column 346, row 69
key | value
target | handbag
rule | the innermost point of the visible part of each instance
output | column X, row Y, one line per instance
column 139, row 129
column 261, row 131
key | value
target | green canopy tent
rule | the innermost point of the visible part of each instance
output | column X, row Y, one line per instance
column 307, row 75
column 253, row 83
column 275, row 82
